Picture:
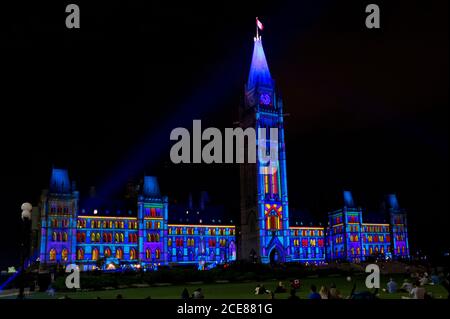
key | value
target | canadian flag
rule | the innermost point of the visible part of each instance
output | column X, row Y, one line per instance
column 259, row 24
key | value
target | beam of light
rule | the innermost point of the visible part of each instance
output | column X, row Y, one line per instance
column 153, row 146
column 17, row 273
column 202, row 102
column 348, row 199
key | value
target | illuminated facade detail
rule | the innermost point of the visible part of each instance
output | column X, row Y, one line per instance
column 266, row 235
column 69, row 234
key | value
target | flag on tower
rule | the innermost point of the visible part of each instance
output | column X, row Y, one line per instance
column 259, row 24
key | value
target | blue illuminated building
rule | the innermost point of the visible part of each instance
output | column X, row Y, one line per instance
column 266, row 233
column 150, row 232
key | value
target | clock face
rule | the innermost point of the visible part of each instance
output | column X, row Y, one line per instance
column 265, row 99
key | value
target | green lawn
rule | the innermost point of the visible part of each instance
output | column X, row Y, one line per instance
column 235, row 290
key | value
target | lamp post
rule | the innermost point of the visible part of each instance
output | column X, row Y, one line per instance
column 24, row 245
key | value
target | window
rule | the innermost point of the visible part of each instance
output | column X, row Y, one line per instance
column 157, row 253
column 119, row 253
column 132, row 253
column 80, row 254
column 95, row 254
column 52, row 254
column 64, row 255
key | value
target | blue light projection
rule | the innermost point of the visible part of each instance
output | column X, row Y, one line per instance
column 70, row 234
column 348, row 199
column 259, row 70
column 151, row 187
column 59, row 182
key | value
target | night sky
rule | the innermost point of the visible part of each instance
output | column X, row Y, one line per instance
column 368, row 109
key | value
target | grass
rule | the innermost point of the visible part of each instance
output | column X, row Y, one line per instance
column 236, row 290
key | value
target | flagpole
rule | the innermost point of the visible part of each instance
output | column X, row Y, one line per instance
column 256, row 28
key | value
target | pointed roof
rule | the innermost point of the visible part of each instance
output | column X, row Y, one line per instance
column 393, row 202
column 259, row 70
column 151, row 187
column 348, row 199
column 59, row 182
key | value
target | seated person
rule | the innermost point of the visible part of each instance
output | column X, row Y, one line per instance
column 406, row 286
column 263, row 290
column 417, row 292
column 392, row 286
column 314, row 294
column 293, row 295
column 280, row 288
column 424, row 280
column 257, row 289
column 198, row 294
column 334, row 293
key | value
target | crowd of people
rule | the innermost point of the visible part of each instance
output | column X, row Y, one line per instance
column 414, row 288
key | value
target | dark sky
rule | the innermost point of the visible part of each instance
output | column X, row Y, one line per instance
column 368, row 109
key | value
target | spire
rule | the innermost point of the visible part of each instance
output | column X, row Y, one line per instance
column 348, row 199
column 59, row 182
column 151, row 187
column 393, row 202
column 259, row 70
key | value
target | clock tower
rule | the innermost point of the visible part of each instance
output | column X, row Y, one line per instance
column 264, row 234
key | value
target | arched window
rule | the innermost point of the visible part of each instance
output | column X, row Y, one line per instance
column 135, row 238
column 97, row 237
column 65, row 237
column 95, row 254
column 64, row 254
column 107, row 252
column 92, row 237
column 54, row 236
column 119, row 253
column 92, row 224
column 80, row 254
column 52, row 254
column 132, row 253
column 169, row 242
column 157, row 253
column 148, row 253
column 156, row 237
column 109, row 237
column 121, row 237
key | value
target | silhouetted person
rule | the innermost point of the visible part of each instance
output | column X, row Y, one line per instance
column 185, row 294
column 314, row 294
column 198, row 294
column 292, row 295
column 280, row 288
